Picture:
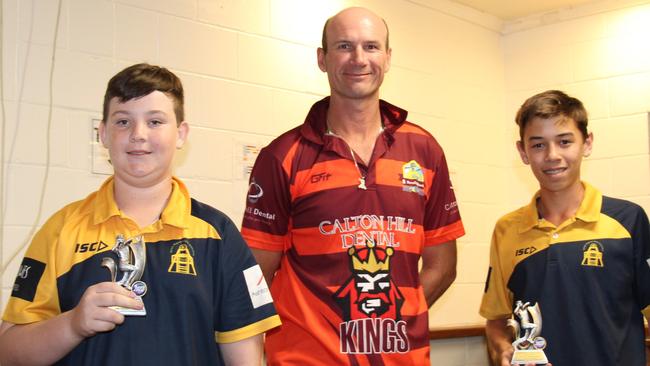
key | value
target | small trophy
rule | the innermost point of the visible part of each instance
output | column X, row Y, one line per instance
column 132, row 258
column 527, row 326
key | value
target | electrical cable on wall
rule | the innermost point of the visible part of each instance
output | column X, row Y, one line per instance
column 47, row 143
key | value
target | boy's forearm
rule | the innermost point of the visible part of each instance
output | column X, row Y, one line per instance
column 41, row 343
column 247, row 352
column 499, row 341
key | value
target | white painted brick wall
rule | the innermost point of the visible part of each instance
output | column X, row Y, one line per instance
column 250, row 72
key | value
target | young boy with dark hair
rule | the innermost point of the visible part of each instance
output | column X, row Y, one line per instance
column 201, row 298
column 583, row 257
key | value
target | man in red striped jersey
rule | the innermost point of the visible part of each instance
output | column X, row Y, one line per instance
column 341, row 209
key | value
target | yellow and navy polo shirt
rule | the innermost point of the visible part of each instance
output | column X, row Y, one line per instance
column 590, row 276
column 198, row 274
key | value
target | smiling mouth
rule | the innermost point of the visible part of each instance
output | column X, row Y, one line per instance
column 355, row 75
column 554, row 171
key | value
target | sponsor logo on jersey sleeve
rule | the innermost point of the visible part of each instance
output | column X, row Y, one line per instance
column 255, row 191
column 182, row 259
column 451, row 206
column 255, row 214
column 27, row 279
column 413, row 178
column 592, row 255
column 257, row 288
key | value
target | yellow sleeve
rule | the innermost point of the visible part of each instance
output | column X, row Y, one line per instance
column 497, row 299
column 34, row 296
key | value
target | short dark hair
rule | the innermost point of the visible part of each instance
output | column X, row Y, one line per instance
column 142, row 79
column 324, row 37
column 550, row 104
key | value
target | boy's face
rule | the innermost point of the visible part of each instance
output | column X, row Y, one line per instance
column 141, row 136
column 554, row 148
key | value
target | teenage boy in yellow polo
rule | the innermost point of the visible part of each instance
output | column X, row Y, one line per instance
column 583, row 257
column 205, row 303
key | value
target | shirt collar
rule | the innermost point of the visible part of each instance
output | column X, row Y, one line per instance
column 176, row 212
column 315, row 126
column 589, row 210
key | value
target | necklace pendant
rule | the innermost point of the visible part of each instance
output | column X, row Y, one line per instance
column 362, row 183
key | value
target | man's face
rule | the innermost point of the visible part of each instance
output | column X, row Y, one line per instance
column 356, row 58
column 142, row 136
column 554, row 148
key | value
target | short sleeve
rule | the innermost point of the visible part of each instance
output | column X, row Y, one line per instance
column 497, row 299
column 244, row 307
column 266, row 217
column 442, row 216
column 34, row 296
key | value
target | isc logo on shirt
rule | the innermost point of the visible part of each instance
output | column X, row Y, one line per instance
column 257, row 288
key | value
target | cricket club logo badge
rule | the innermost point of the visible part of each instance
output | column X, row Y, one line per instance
column 413, row 178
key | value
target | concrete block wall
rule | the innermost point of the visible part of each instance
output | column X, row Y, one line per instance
column 602, row 58
column 250, row 73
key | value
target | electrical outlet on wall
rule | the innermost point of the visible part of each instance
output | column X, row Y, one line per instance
column 100, row 158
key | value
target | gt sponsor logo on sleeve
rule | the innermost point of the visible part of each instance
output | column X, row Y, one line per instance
column 257, row 288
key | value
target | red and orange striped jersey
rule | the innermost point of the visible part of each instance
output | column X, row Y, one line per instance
column 348, row 290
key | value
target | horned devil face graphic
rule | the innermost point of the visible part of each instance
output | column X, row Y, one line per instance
column 370, row 293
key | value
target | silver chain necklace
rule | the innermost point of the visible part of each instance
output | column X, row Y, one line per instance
column 362, row 178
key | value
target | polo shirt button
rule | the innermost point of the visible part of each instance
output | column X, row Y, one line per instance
column 556, row 235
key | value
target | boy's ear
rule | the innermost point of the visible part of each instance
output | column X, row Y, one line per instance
column 102, row 133
column 589, row 141
column 183, row 131
column 522, row 152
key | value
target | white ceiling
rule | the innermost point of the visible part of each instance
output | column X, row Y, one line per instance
column 513, row 9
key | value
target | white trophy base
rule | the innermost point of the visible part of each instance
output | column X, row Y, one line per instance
column 128, row 311
column 525, row 356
